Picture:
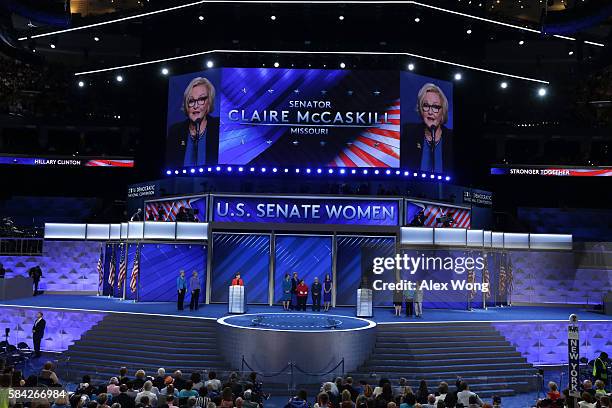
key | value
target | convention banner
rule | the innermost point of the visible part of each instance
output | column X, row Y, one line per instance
column 552, row 171
column 306, row 210
column 426, row 214
column 573, row 354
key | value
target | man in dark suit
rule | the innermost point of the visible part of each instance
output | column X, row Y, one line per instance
column 123, row 398
column 195, row 141
column 35, row 273
column 38, row 332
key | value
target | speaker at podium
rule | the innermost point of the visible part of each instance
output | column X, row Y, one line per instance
column 237, row 296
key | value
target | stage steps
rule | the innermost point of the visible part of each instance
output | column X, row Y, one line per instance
column 438, row 352
column 140, row 341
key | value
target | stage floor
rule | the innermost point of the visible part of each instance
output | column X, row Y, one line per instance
column 381, row 315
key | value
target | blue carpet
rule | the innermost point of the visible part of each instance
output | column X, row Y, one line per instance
column 381, row 315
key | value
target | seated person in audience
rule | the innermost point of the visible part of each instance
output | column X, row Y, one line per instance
column 158, row 381
column 234, row 384
column 147, row 392
column 408, row 400
column 239, row 402
column 322, row 401
column 143, row 403
column 179, row 382
column 553, row 391
column 248, row 400
column 587, row 386
column 212, row 392
column 203, row 399
column 442, row 391
column 604, row 402
column 123, row 398
column 212, row 380
column 227, row 398
column 85, row 387
column 130, row 389
column 102, row 400
column 600, row 388
column 113, row 387
column 196, row 379
column 48, row 375
column 188, row 391
column 61, row 402
column 123, row 378
column 431, row 401
column 464, row 394
column 299, row 401
column 170, row 401
column 170, row 390
column 587, row 400
column 474, row 402
column 139, row 380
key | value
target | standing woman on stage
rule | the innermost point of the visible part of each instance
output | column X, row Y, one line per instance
column 194, row 287
column 302, row 295
column 397, row 302
column 327, row 289
column 418, row 300
column 286, row 299
column 181, row 287
column 294, row 284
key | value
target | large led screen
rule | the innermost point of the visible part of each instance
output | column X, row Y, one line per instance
column 310, row 117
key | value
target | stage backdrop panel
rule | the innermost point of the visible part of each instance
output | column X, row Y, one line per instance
column 62, row 330
column 355, row 256
column 160, row 265
column 248, row 254
column 309, row 256
column 67, row 266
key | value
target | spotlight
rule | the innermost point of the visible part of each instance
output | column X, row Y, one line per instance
column 96, row 39
column 229, row 169
column 319, row 171
column 432, row 176
column 388, row 172
column 542, row 91
column 365, row 172
column 175, row 171
column 209, row 169
column 240, row 169
column 376, row 172
column 414, row 174
column 119, row 78
column 165, row 71
column 447, row 178
column 342, row 65
column 286, row 170
column 168, row 172
column 458, row 76
column 342, row 171
column 209, row 64
column 411, row 67
column 52, row 45
column 406, row 173
column 522, row 42
column 297, row 170
column 397, row 172
column 423, row 175
column 192, row 171
column 571, row 53
column 417, row 20
column 263, row 169
column 469, row 31
column 201, row 170
column 276, row 64
column 503, row 85
column 81, row 84
column 252, row 169
column 218, row 168
column 273, row 17
column 308, row 171
column 201, row 18
column 184, row 171
column 341, row 18
column 439, row 177
column 353, row 171
column 274, row 170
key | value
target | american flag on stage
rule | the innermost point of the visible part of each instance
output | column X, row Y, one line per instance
column 471, row 278
column 111, row 271
column 485, row 277
column 135, row 271
column 123, row 266
column 100, row 269
column 376, row 146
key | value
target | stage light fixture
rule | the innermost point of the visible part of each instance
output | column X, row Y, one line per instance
column 432, row 176
column 96, row 38
column 184, row 171
column 286, row 170
column 201, row 170
column 297, row 170
column 168, row 172
column 165, row 71
column 209, row 169
column 240, row 169
column 209, row 64
column 376, row 172
column 342, row 65
column 341, row 17
column 274, row 170
column 252, row 169
column 176, row 172
column 330, row 171
column 417, row 20
column 411, row 67
column 218, row 168
column 365, row 171
column 468, row 31
column 308, row 171
column 229, row 169
column 406, row 173
column 503, row 85
column 570, row 53
column 439, row 177
column 423, row 175
column 52, row 44
column 273, row 17
column 119, row 78
column 342, row 171
column 263, row 169
column 81, row 84
column 397, row 172
column 414, row 174
column 319, row 171
column 192, row 171
column 458, row 76
column 388, row 172
column 447, row 178
column 542, row 91
column 276, row 64
column 353, row 171
column 522, row 42
column 201, row 18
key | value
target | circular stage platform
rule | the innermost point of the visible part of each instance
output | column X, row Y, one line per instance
column 313, row 343
column 296, row 322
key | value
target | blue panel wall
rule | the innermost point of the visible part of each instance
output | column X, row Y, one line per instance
column 309, row 256
column 160, row 266
column 248, row 254
column 354, row 264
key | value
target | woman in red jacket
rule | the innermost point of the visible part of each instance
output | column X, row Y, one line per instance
column 302, row 295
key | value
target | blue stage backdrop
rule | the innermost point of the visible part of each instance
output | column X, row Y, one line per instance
column 354, row 264
column 248, row 254
column 160, row 265
column 309, row 256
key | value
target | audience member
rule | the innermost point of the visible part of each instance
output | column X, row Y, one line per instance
column 553, row 391
column 47, row 373
column 158, row 381
column 113, row 387
column 123, row 398
column 213, row 381
column 147, row 392
column 464, row 394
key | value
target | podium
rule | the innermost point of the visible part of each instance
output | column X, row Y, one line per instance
column 364, row 302
column 15, row 288
column 236, row 299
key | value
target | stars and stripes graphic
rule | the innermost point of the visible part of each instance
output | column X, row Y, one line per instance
column 109, row 163
column 376, row 146
column 111, row 271
column 435, row 215
column 100, row 269
column 122, row 266
column 135, row 271
column 170, row 208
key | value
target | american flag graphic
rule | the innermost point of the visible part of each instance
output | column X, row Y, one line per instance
column 100, row 269
column 435, row 215
column 135, row 271
column 375, row 146
column 122, row 266
column 109, row 163
column 170, row 207
column 111, row 272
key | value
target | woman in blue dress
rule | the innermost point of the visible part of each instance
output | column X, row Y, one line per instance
column 327, row 293
column 286, row 299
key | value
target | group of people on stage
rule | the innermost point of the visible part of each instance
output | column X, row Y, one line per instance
column 413, row 300
column 194, row 288
column 295, row 293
